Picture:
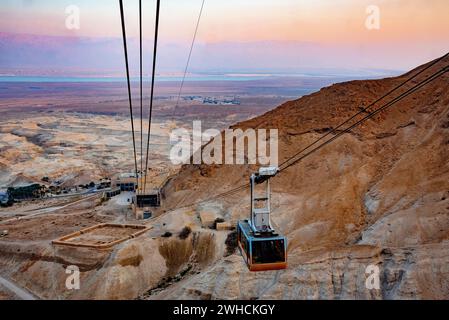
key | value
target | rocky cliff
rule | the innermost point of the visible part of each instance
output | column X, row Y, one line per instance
column 379, row 195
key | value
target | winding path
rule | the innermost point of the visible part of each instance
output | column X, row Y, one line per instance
column 18, row 291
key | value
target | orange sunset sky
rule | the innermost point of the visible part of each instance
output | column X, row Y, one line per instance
column 416, row 28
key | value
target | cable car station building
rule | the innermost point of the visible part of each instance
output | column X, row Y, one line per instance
column 126, row 182
column 148, row 196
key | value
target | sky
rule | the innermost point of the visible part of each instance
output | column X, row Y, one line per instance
column 251, row 34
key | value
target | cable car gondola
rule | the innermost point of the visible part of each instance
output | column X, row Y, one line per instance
column 261, row 247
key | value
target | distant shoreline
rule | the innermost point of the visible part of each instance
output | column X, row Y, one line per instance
column 192, row 78
column 59, row 79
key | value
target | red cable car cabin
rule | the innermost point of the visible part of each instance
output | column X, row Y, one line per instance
column 261, row 247
column 261, row 252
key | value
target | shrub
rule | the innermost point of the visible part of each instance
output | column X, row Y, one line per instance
column 167, row 234
column 184, row 234
column 231, row 243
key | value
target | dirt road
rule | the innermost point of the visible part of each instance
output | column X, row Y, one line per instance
column 18, row 291
column 49, row 209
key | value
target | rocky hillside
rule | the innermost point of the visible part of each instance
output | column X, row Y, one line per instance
column 378, row 195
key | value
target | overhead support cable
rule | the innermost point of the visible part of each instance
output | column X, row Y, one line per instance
column 156, row 35
column 125, row 47
column 371, row 114
column 392, row 102
column 190, row 54
column 364, row 110
column 141, row 90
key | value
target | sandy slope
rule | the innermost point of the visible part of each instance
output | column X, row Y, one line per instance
column 71, row 147
column 379, row 195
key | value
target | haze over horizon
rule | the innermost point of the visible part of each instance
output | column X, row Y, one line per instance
column 282, row 36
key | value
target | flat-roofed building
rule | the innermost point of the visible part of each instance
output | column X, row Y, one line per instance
column 125, row 181
column 112, row 193
column 151, row 198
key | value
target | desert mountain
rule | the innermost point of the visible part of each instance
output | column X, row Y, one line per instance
column 378, row 195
